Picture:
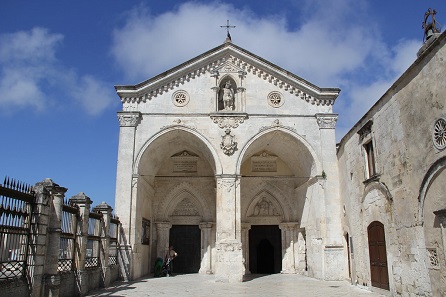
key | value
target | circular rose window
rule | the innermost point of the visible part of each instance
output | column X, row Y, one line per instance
column 439, row 133
column 180, row 98
column 275, row 99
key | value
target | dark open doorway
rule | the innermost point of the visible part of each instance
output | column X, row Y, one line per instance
column 186, row 240
column 265, row 249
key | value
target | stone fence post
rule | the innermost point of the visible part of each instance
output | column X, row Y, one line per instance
column 83, row 202
column 48, row 218
column 106, row 211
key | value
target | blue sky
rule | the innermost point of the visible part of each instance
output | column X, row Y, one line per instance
column 60, row 60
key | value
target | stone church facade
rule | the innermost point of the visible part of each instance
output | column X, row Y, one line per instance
column 233, row 161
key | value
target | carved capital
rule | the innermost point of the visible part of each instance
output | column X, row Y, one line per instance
column 129, row 119
column 326, row 120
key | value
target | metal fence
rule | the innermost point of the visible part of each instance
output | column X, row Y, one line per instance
column 113, row 233
column 16, row 201
column 94, row 240
column 67, row 237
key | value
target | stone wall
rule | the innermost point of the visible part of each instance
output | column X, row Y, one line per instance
column 400, row 128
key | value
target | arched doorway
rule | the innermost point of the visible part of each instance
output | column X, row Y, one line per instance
column 276, row 167
column 176, row 191
column 186, row 241
column 265, row 249
column 378, row 255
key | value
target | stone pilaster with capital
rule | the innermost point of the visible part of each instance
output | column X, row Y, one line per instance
column 333, row 212
column 229, row 262
column 289, row 239
column 162, row 244
column 128, row 121
column 206, row 248
column 245, row 244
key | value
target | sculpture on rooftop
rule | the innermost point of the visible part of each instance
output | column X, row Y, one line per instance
column 430, row 28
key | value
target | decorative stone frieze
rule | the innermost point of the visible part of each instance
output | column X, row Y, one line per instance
column 229, row 121
column 326, row 120
column 233, row 64
column 129, row 119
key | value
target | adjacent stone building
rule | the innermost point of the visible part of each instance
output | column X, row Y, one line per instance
column 233, row 160
column 393, row 182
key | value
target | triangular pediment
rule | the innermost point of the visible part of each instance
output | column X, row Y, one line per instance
column 227, row 58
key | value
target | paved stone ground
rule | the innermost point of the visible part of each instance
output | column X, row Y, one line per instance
column 198, row 285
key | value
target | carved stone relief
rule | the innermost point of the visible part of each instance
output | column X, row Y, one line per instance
column 264, row 208
column 228, row 143
column 185, row 208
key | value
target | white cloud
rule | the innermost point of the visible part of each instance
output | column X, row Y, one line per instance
column 94, row 95
column 320, row 49
column 32, row 77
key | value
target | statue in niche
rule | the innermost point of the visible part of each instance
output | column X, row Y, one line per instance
column 227, row 96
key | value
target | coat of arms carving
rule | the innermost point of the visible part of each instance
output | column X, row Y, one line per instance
column 228, row 144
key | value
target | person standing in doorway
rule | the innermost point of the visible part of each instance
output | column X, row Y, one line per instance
column 170, row 255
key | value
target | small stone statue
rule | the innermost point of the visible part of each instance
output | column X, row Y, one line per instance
column 228, row 96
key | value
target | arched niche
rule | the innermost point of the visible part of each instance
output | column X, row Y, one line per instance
column 227, row 95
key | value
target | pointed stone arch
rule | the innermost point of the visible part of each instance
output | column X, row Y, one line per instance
column 273, row 195
column 184, row 195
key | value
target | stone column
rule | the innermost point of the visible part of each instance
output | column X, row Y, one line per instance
column 128, row 121
column 301, row 264
column 229, row 262
column 245, row 245
column 84, row 203
column 106, row 211
column 334, row 257
column 206, row 257
column 38, row 237
column 51, row 277
column 216, row 91
column 162, row 242
column 289, row 238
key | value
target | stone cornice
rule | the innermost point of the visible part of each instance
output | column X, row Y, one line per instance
column 227, row 56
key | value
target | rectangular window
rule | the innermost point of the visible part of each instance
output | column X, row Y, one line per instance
column 370, row 155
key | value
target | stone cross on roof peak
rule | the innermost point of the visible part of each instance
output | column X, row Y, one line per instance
column 227, row 26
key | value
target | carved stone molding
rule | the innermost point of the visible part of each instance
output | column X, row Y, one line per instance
column 186, row 208
column 129, row 119
column 177, row 123
column 276, row 123
column 365, row 130
column 228, row 143
column 326, row 120
column 229, row 121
